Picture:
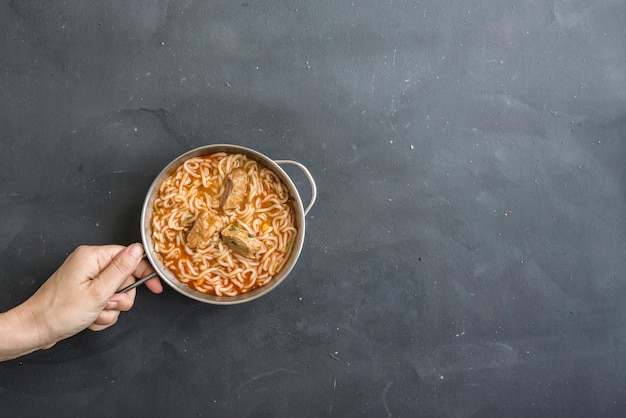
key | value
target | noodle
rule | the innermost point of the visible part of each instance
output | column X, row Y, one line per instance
column 266, row 213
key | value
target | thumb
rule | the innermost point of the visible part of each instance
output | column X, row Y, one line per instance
column 119, row 269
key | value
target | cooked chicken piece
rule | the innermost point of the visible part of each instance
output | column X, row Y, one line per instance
column 236, row 188
column 240, row 241
column 204, row 231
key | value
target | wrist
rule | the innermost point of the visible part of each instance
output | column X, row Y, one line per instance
column 20, row 332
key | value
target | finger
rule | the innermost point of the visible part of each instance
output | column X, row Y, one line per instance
column 105, row 320
column 91, row 260
column 103, row 254
column 143, row 269
column 129, row 281
column 118, row 270
column 95, row 327
column 154, row 285
column 121, row 301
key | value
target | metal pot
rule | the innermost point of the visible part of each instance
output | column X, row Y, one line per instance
column 300, row 213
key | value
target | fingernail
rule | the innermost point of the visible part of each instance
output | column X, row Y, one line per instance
column 111, row 306
column 136, row 250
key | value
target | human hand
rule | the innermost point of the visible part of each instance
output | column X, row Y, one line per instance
column 81, row 294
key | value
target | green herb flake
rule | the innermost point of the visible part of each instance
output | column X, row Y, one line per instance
column 250, row 235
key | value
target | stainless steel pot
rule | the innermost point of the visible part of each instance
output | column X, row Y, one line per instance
column 300, row 213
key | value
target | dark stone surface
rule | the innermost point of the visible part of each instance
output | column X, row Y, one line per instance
column 466, row 253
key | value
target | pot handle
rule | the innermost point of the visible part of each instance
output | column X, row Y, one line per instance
column 308, row 176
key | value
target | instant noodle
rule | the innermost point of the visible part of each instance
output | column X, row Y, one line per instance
column 262, row 218
column 224, row 224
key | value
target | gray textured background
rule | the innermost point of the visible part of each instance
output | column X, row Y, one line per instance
column 466, row 254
